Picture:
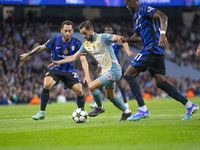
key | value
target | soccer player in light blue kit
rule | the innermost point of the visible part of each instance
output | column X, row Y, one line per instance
column 100, row 47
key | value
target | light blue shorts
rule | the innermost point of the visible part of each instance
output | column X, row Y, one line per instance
column 110, row 77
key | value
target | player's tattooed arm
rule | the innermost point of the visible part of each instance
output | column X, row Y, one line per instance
column 36, row 50
column 163, row 28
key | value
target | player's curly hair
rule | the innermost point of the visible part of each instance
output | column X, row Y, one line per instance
column 87, row 24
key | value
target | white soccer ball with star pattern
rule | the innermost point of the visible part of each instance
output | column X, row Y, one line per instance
column 79, row 115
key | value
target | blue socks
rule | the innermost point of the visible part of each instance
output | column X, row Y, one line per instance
column 97, row 98
column 118, row 103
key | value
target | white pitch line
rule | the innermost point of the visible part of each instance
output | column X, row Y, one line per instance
column 49, row 117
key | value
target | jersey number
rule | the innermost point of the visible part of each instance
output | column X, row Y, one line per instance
column 138, row 56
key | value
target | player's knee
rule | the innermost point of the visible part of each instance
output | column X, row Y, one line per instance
column 126, row 74
column 79, row 92
column 47, row 86
column 110, row 96
column 159, row 78
column 92, row 88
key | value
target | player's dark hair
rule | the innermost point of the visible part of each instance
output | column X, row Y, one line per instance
column 85, row 24
column 108, row 26
column 67, row 22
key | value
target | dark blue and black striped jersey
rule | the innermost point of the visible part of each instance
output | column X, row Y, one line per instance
column 148, row 29
column 116, row 48
column 61, row 50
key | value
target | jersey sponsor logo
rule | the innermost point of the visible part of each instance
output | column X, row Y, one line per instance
column 99, row 53
column 62, row 56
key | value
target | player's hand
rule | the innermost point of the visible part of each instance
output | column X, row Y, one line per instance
column 87, row 79
column 163, row 41
column 23, row 56
column 119, row 41
column 198, row 51
column 131, row 54
column 53, row 65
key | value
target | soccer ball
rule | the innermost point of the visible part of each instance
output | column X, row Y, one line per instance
column 79, row 115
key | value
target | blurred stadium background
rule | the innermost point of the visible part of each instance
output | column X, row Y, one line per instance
column 25, row 24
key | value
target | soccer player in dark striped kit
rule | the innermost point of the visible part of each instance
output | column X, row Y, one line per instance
column 61, row 47
column 150, row 26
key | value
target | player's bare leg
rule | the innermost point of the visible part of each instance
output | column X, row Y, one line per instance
column 174, row 93
column 49, row 82
column 110, row 94
column 77, row 88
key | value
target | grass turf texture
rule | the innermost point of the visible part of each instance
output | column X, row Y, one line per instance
column 164, row 130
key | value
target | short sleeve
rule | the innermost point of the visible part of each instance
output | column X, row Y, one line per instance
column 77, row 46
column 82, row 49
column 48, row 44
column 107, row 38
column 149, row 11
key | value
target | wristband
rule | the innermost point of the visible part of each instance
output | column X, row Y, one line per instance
column 162, row 32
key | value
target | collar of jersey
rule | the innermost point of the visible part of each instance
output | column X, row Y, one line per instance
column 95, row 38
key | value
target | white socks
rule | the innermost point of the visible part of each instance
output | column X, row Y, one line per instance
column 188, row 104
column 143, row 108
column 127, row 111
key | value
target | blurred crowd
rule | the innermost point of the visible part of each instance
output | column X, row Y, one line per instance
column 21, row 81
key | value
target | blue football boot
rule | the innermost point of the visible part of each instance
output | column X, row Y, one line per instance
column 190, row 111
column 139, row 115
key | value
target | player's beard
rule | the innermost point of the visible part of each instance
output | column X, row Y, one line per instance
column 90, row 38
column 67, row 38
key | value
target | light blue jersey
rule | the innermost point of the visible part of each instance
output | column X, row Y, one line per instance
column 101, row 49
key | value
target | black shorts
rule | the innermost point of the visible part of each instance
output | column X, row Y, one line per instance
column 68, row 78
column 154, row 63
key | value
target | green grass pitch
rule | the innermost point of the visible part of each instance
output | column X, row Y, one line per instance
column 164, row 130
